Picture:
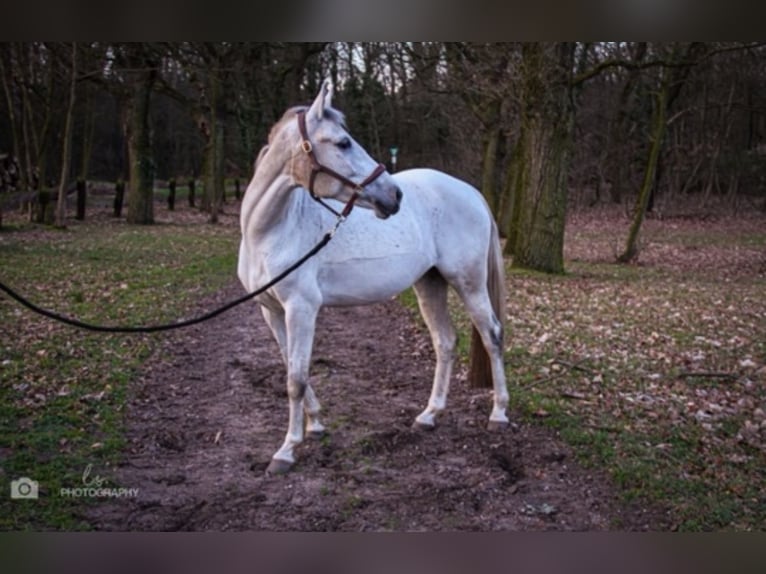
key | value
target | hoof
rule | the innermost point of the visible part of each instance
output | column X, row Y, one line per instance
column 418, row 426
column 497, row 426
column 279, row 466
column 316, row 434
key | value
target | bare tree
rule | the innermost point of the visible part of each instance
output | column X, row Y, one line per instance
column 670, row 83
column 66, row 148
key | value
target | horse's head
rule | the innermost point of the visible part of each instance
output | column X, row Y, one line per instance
column 331, row 164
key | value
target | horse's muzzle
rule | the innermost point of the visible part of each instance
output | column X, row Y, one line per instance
column 385, row 209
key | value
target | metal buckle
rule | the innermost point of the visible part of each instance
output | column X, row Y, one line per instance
column 306, row 146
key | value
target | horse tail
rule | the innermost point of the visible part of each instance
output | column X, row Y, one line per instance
column 480, row 369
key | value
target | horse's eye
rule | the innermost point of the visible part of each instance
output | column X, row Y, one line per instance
column 345, row 143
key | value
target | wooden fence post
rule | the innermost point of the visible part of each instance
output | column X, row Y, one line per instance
column 172, row 194
column 81, row 197
column 41, row 205
column 119, row 196
column 191, row 192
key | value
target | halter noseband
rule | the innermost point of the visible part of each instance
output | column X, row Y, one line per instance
column 317, row 168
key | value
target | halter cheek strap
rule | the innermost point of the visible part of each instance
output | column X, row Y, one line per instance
column 317, row 168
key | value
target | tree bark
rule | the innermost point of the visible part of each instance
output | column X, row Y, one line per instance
column 119, row 196
column 510, row 205
column 171, row 194
column 22, row 77
column 89, row 126
column 67, row 145
column 659, row 124
column 6, row 72
column 212, row 170
column 82, row 194
column 618, row 150
column 141, row 164
column 547, row 122
column 213, row 163
column 191, row 195
column 489, row 168
column 43, row 141
column 671, row 81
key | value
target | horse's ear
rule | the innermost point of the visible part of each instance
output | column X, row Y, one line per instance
column 322, row 101
column 329, row 90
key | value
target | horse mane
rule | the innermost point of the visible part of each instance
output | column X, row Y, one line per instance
column 329, row 114
column 288, row 115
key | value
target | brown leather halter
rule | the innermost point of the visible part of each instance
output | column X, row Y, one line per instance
column 317, row 168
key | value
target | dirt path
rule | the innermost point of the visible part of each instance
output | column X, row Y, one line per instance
column 210, row 409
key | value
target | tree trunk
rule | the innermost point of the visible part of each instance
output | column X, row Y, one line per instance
column 658, row 134
column 141, row 164
column 218, row 171
column 617, row 145
column 208, row 161
column 43, row 141
column 489, row 167
column 82, row 194
column 6, row 71
column 192, row 192
column 539, row 217
column 172, row 194
column 119, row 196
column 213, row 163
column 67, row 145
column 26, row 128
column 42, row 211
column 542, row 193
column 509, row 205
column 89, row 126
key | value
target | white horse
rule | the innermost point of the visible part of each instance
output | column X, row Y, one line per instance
column 442, row 234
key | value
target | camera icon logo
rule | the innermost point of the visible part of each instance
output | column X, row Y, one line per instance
column 24, row 488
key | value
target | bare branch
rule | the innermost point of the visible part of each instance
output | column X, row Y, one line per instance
column 632, row 65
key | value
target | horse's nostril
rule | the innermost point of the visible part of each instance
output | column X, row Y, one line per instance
column 398, row 194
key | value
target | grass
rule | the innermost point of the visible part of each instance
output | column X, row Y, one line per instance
column 162, row 191
column 655, row 371
column 62, row 391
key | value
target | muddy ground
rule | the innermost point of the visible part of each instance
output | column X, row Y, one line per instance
column 209, row 410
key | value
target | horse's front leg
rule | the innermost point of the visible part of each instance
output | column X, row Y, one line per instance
column 311, row 408
column 275, row 318
column 300, row 321
column 431, row 290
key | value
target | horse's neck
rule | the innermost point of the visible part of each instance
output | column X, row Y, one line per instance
column 269, row 197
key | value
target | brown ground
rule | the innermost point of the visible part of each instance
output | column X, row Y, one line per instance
column 210, row 409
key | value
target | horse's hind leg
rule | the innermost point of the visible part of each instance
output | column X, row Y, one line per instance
column 479, row 308
column 276, row 322
column 431, row 291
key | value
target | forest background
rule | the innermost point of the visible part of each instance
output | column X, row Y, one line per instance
column 541, row 128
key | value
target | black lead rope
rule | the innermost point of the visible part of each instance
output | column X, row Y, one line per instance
column 167, row 327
